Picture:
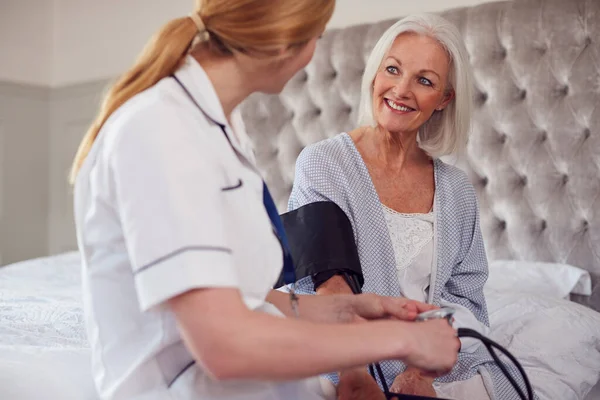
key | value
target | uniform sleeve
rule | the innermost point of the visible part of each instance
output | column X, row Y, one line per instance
column 168, row 188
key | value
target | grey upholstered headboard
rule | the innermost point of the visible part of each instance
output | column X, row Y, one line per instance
column 534, row 153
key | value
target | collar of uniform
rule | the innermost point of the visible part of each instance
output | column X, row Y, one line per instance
column 193, row 76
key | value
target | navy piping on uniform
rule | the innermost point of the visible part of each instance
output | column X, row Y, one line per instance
column 180, row 373
column 179, row 251
column 236, row 186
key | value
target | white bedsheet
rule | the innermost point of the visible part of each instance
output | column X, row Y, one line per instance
column 44, row 352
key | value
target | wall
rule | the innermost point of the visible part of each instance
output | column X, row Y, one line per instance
column 26, row 41
column 24, row 122
column 71, row 110
column 93, row 41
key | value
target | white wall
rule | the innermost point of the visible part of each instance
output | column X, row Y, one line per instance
column 26, row 41
column 99, row 39
column 62, row 42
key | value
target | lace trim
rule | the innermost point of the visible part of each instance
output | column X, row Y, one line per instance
column 409, row 233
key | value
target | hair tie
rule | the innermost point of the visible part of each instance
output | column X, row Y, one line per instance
column 198, row 21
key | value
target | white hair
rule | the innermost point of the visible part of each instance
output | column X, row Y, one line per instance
column 446, row 131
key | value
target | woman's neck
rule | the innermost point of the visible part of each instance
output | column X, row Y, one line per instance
column 396, row 150
column 229, row 80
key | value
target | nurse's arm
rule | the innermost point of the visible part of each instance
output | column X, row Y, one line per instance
column 232, row 342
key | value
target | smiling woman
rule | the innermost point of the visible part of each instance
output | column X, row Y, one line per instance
column 415, row 219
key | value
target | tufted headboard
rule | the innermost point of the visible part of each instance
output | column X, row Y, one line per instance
column 534, row 151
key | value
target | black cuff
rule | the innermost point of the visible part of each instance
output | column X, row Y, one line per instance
column 322, row 244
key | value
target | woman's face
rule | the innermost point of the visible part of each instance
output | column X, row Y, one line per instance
column 411, row 83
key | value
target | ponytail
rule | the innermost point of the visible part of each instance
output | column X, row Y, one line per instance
column 161, row 57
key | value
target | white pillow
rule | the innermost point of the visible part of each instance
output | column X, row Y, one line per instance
column 541, row 278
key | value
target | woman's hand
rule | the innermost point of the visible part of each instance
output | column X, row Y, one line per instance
column 413, row 381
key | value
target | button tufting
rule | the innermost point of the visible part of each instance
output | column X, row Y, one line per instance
column 502, row 53
column 587, row 133
column 333, row 75
column 543, row 225
column 523, row 94
column 317, row 111
column 542, row 50
column 565, row 179
column 563, row 91
column 484, row 181
column 348, row 110
column 502, row 138
column 501, row 225
column 483, row 97
column 587, row 41
column 585, row 225
column 543, row 136
column 523, row 181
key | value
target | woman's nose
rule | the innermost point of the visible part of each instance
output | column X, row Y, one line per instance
column 402, row 88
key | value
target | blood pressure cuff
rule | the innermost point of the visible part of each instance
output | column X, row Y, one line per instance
column 322, row 244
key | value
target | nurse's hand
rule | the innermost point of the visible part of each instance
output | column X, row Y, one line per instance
column 359, row 308
column 343, row 308
column 369, row 306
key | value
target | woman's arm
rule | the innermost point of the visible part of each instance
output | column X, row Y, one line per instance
column 334, row 285
column 233, row 342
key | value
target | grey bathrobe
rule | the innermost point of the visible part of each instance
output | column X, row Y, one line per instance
column 333, row 170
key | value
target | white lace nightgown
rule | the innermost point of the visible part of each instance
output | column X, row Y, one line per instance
column 412, row 240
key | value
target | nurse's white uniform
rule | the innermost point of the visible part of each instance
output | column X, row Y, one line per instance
column 164, row 205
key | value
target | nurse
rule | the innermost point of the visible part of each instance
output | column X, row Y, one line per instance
column 179, row 239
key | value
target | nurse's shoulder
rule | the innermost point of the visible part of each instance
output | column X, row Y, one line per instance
column 156, row 122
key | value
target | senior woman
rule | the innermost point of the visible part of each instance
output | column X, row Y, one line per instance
column 415, row 219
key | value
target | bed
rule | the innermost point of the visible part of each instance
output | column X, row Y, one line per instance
column 533, row 157
column 44, row 351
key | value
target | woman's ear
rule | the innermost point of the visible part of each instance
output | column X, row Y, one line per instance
column 448, row 96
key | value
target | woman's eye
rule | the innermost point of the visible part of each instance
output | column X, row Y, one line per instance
column 425, row 81
column 392, row 70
